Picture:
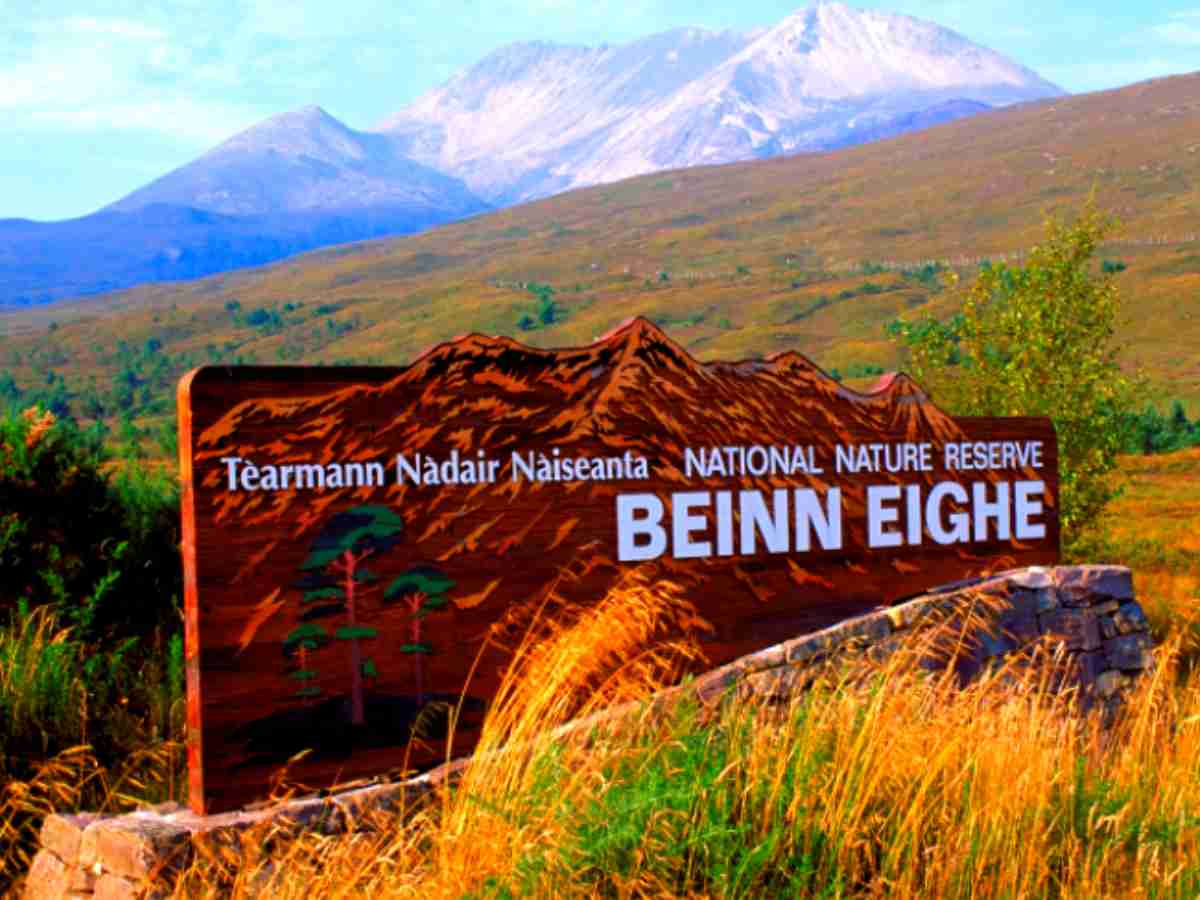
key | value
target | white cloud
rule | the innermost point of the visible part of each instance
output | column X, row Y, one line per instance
column 1104, row 74
column 86, row 73
column 119, row 28
column 1182, row 33
column 204, row 122
column 1182, row 29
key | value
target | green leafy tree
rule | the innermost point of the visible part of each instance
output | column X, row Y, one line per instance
column 423, row 590
column 1040, row 339
column 336, row 576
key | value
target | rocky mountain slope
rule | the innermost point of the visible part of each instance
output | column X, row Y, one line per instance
column 534, row 119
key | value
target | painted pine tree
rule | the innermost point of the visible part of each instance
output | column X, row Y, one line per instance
column 300, row 642
column 422, row 589
column 336, row 579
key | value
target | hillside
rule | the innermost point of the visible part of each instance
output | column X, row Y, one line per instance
column 812, row 252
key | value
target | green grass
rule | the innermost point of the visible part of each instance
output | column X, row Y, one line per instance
column 82, row 727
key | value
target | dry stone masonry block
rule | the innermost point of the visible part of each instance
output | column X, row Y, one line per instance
column 1088, row 612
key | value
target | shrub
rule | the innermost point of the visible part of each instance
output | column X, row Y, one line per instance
column 1039, row 339
column 1152, row 432
column 97, row 540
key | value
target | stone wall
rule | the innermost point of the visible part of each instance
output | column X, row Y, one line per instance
column 1087, row 613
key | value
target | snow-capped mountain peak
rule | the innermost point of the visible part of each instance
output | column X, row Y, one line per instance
column 533, row 119
column 305, row 160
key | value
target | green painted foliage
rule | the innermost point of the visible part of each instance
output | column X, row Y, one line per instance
column 309, row 635
column 327, row 593
column 430, row 583
column 347, row 633
column 360, row 529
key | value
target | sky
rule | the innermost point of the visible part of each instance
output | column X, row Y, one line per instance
column 98, row 99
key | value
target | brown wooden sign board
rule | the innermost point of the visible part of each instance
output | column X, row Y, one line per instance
column 352, row 534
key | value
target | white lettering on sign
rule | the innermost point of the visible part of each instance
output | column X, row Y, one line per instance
column 879, row 457
column 640, row 516
column 641, row 534
column 783, row 521
column 242, row 474
column 992, row 455
column 726, row 462
column 1027, row 506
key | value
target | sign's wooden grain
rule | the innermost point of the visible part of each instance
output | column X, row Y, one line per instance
column 353, row 535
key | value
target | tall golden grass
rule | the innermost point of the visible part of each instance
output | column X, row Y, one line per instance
column 883, row 780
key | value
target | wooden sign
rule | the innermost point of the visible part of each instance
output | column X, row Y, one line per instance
column 351, row 535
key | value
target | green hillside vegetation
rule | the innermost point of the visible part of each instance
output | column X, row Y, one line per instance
column 816, row 253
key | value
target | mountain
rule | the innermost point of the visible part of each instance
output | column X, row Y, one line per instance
column 306, row 161
column 814, row 252
column 535, row 119
column 915, row 121
column 293, row 183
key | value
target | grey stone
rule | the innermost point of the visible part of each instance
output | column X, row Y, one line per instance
column 364, row 803
column 1078, row 628
column 1130, row 651
column 769, row 658
column 1110, row 682
column 907, row 614
column 1021, row 602
column 1047, row 599
column 871, row 628
column 995, row 645
column 1022, row 628
column 114, row 887
column 48, row 878
column 807, row 650
column 1088, row 667
column 1032, row 577
column 62, row 833
column 1129, row 619
column 134, row 846
column 774, row 684
column 882, row 651
column 710, row 688
column 1087, row 585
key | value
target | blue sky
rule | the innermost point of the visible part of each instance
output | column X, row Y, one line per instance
column 96, row 100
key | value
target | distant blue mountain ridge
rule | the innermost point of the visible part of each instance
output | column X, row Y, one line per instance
column 41, row 262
